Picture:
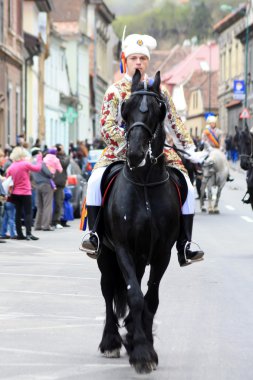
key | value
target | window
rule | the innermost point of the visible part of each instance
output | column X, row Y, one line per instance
column 10, row 13
column 236, row 60
column 230, row 64
column 1, row 20
column 18, row 109
column 9, row 112
column 19, row 17
column 195, row 99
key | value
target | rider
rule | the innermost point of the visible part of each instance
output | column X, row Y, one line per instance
column 212, row 137
column 136, row 55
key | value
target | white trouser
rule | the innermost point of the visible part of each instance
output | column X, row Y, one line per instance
column 94, row 197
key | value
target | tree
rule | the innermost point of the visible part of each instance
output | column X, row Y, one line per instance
column 202, row 22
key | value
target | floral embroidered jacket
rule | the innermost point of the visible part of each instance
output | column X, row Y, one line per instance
column 112, row 126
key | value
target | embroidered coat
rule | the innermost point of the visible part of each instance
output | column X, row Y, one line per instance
column 112, row 126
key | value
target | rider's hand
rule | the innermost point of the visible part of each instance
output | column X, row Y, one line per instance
column 194, row 157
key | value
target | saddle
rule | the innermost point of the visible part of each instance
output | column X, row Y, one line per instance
column 113, row 170
column 108, row 178
column 179, row 181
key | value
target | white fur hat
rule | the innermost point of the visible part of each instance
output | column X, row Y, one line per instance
column 211, row 119
column 138, row 44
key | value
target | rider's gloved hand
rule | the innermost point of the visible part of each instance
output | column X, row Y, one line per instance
column 195, row 157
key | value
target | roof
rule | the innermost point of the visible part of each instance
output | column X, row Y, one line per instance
column 165, row 60
column 44, row 5
column 230, row 19
column 69, row 11
column 203, row 58
column 233, row 103
column 66, row 11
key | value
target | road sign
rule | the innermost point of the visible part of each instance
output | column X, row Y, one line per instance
column 245, row 114
column 239, row 90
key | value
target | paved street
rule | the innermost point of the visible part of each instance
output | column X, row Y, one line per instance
column 51, row 310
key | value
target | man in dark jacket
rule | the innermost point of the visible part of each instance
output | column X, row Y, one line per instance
column 60, row 182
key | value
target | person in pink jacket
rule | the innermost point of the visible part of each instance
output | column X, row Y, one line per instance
column 21, row 194
column 53, row 164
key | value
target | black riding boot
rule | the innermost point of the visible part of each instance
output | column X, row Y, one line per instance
column 90, row 246
column 185, row 255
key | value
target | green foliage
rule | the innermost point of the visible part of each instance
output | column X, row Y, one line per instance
column 168, row 20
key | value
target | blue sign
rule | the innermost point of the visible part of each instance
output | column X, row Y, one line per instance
column 239, row 89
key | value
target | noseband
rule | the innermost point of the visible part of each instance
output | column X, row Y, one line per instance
column 144, row 108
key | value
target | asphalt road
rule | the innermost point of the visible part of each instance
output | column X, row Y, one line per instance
column 52, row 312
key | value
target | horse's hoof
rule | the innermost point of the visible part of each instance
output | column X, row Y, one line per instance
column 210, row 211
column 112, row 354
column 216, row 211
column 144, row 368
column 203, row 209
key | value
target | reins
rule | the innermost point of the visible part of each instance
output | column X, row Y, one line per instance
column 146, row 185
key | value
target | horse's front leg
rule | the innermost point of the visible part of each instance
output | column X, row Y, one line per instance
column 111, row 342
column 202, row 196
column 141, row 355
column 210, row 199
column 158, row 267
column 218, row 194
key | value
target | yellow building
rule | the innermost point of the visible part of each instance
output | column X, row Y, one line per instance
column 231, row 68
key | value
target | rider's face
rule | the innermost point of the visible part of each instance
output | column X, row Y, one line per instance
column 213, row 125
column 137, row 61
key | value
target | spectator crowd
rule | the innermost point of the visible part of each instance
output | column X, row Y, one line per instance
column 33, row 187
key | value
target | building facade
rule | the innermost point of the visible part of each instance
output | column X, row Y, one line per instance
column 99, row 19
column 70, row 22
column 36, row 28
column 57, row 94
column 11, row 62
column 231, row 68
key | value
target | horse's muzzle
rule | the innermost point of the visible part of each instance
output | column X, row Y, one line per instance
column 136, row 159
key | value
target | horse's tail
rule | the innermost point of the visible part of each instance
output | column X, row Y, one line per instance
column 120, row 297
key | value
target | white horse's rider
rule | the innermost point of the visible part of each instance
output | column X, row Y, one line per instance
column 212, row 137
column 136, row 55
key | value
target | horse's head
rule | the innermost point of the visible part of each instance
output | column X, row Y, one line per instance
column 245, row 142
column 143, row 114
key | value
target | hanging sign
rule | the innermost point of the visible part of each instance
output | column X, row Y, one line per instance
column 239, row 90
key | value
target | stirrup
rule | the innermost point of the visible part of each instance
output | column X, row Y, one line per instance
column 188, row 247
column 90, row 252
column 187, row 261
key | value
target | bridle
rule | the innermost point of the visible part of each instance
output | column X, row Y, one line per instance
column 144, row 108
column 146, row 184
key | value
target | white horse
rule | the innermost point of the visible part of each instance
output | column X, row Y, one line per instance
column 215, row 173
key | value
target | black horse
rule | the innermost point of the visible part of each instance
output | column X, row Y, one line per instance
column 246, row 161
column 141, row 219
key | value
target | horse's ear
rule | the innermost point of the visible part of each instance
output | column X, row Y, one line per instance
column 136, row 80
column 157, row 82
